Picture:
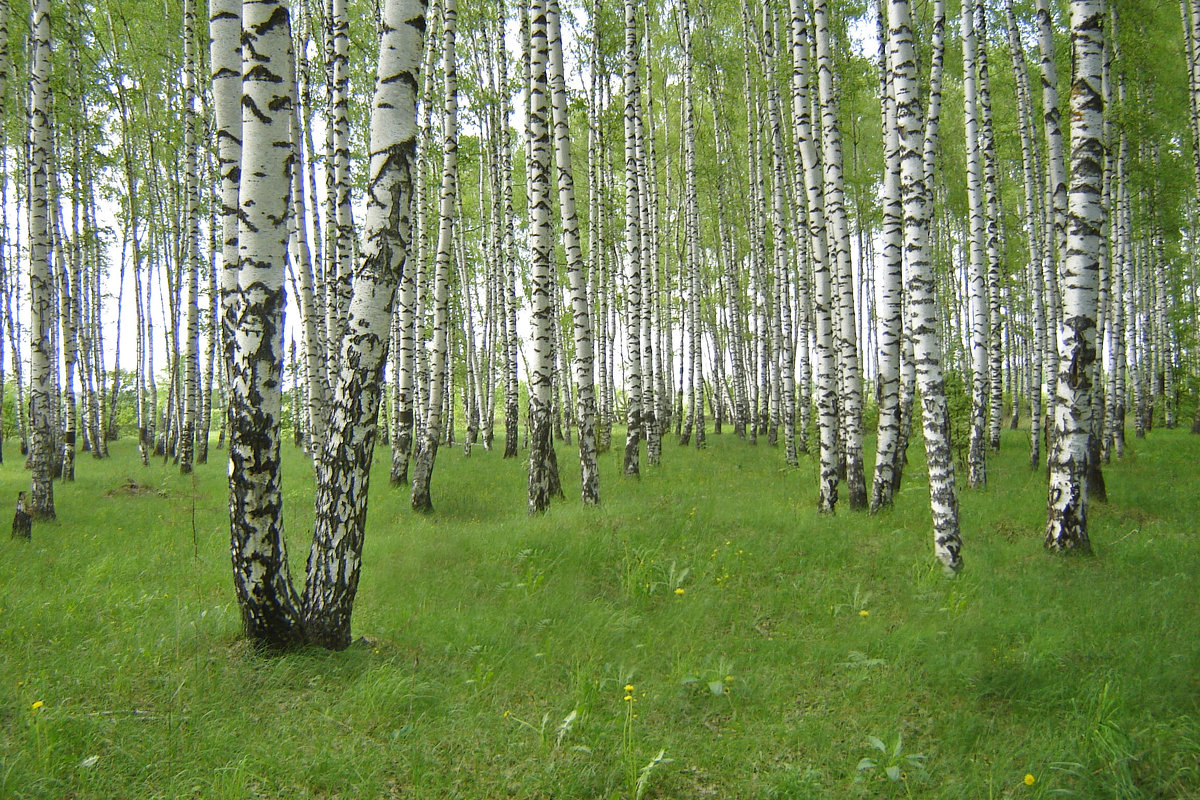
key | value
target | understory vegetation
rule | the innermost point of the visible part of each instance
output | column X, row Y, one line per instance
column 701, row 633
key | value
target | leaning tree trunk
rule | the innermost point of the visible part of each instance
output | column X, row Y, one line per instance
column 1066, row 527
column 262, row 581
column 343, row 467
column 41, row 289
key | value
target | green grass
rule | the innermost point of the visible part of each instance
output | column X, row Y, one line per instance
column 487, row 628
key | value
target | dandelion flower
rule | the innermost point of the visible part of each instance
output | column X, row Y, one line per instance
column 38, row 704
column 628, row 688
column 628, row 698
column 1029, row 779
column 506, row 713
column 864, row 613
column 679, row 590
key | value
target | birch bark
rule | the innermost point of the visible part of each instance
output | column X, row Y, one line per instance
column 1066, row 527
column 919, row 280
column 343, row 468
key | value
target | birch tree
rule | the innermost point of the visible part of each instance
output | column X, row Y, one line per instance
column 1056, row 196
column 42, row 403
column 633, row 249
column 431, row 429
column 343, row 468
column 922, row 307
column 850, row 388
column 1066, row 527
column 889, row 293
column 541, row 247
column 977, row 277
column 827, row 389
column 191, row 245
column 1034, row 233
column 262, row 579
column 581, row 321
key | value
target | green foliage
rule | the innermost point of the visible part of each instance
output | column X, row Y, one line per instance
column 889, row 764
column 495, row 647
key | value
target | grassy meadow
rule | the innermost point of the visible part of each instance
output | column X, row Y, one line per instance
column 701, row 634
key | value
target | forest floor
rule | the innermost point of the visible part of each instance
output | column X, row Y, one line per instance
column 770, row 650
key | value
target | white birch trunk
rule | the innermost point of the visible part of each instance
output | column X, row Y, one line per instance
column 260, row 566
column 343, row 468
column 827, row 389
column 191, row 247
column 919, row 280
column 633, row 250
column 541, row 245
column 1066, row 527
column 41, row 289
column 993, row 245
column 1034, row 230
column 1056, row 189
column 851, row 382
column 889, row 280
column 977, row 280
column 580, row 313
column 431, row 429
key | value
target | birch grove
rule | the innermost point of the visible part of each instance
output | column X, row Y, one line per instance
column 592, row 221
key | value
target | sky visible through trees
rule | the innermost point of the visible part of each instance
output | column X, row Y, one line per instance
column 558, row 227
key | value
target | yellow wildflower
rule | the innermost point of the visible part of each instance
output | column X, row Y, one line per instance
column 628, row 698
column 679, row 590
column 628, row 688
column 1029, row 779
column 864, row 613
column 38, row 705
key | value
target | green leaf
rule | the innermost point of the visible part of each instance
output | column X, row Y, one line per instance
column 877, row 743
column 866, row 763
column 717, row 688
column 893, row 773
